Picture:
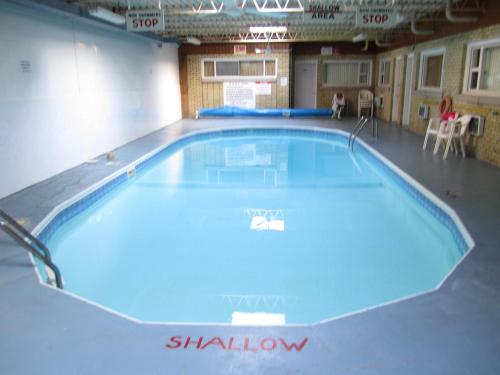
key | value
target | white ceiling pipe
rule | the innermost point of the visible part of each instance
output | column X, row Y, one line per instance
column 382, row 44
column 359, row 38
column 450, row 17
column 415, row 31
column 192, row 40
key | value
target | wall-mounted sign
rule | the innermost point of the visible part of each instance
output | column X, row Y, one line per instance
column 145, row 20
column 283, row 81
column 327, row 14
column 240, row 49
column 239, row 94
column 377, row 17
column 262, row 88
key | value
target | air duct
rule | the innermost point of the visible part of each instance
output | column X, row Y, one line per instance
column 450, row 17
column 107, row 15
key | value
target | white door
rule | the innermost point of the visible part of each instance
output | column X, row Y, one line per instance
column 398, row 88
column 305, row 84
column 408, row 89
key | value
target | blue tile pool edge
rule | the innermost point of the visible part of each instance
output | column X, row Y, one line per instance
column 431, row 203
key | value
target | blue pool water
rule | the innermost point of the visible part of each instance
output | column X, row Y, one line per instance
column 278, row 228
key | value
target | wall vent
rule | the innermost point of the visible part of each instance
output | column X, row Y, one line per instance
column 25, row 66
column 476, row 125
column 423, row 111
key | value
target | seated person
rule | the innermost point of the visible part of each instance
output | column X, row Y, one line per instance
column 338, row 104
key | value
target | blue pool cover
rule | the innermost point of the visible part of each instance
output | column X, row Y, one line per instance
column 230, row 111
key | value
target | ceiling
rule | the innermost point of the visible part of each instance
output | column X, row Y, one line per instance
column 216, row 21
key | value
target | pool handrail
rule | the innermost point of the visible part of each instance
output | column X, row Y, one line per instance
column 355, row 131
column 359, row 127
column 24, row 238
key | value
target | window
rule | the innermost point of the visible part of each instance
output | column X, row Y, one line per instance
column 384, row 72
column 251, row 68
column 483, row 68
column 345, row 73
column 431, row 69
column 228, row 69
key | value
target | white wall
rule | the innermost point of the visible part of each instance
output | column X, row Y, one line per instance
column 89, row 91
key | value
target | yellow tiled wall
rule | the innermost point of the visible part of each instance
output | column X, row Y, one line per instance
column 485, row 147
column 210, row 94
column 386, row 92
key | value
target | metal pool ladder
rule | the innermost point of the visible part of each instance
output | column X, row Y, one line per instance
column 30, row 243
column 359, row 126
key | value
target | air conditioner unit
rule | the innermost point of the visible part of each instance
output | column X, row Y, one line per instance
column 476, row 125
column 423, row 111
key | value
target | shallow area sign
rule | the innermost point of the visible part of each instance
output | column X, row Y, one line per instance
column 145, row 20
column 327, row 14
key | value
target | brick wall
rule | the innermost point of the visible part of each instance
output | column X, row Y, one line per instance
column 210, row 94
column 486, row 147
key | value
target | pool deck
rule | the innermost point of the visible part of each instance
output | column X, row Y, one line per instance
column 454, row 330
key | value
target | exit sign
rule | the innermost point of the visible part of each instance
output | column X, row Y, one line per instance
column 240, row 49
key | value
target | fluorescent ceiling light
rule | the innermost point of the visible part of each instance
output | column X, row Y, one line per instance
column 262, row 223
column 193, row 40
column 268, row 29
column 359, row 38
column 262, row 50
column 107, row 15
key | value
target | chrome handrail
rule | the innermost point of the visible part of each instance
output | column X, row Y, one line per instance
column 359, row 127
column 354, row 133
column 354, row 129
column 30, row 243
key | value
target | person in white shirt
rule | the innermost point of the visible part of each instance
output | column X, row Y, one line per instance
column 338, row 105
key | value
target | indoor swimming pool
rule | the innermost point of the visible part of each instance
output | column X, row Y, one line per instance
column 255, row 227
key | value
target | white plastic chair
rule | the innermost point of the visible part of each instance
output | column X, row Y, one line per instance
column 433, row 128
column 450, row 132
column 365, row 101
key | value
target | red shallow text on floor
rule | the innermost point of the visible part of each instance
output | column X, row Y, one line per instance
column 242, row 344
